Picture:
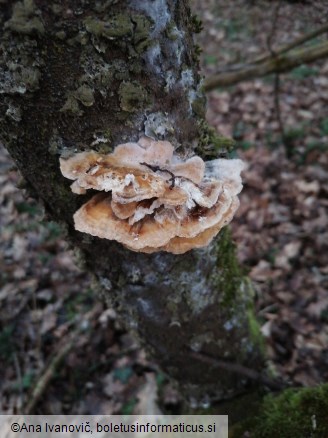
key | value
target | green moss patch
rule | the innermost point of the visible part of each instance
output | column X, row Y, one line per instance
column 294, row 413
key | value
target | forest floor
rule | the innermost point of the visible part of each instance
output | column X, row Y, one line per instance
column 61, row 351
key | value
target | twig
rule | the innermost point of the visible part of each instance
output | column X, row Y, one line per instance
column 277, row 104
column 238, row 369
column 19, row 377
column 157, row 168
column 49, row 372
column 276, row 89
column 277, row 64
column 273, row 28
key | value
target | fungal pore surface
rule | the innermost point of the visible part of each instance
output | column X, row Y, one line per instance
column 150, row 199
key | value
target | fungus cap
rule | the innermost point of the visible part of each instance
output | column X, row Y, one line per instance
column 97, row 218
column 152, row 200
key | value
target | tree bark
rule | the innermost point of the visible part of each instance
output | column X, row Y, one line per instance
column 80, row 75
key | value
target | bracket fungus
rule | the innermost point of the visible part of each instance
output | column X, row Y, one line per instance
column 150, row 199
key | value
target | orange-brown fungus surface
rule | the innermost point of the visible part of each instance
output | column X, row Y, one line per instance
column 150, row 199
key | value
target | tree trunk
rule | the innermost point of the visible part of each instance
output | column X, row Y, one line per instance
column 80, row 75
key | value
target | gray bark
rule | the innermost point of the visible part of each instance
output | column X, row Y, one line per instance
column 80, row 75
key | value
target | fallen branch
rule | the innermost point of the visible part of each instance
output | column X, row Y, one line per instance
column 296, row 43
column 277, row 64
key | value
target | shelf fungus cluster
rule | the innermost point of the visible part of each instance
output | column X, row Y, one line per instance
column 150, row 200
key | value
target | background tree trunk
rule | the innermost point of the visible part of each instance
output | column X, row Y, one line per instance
column 80, row 75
